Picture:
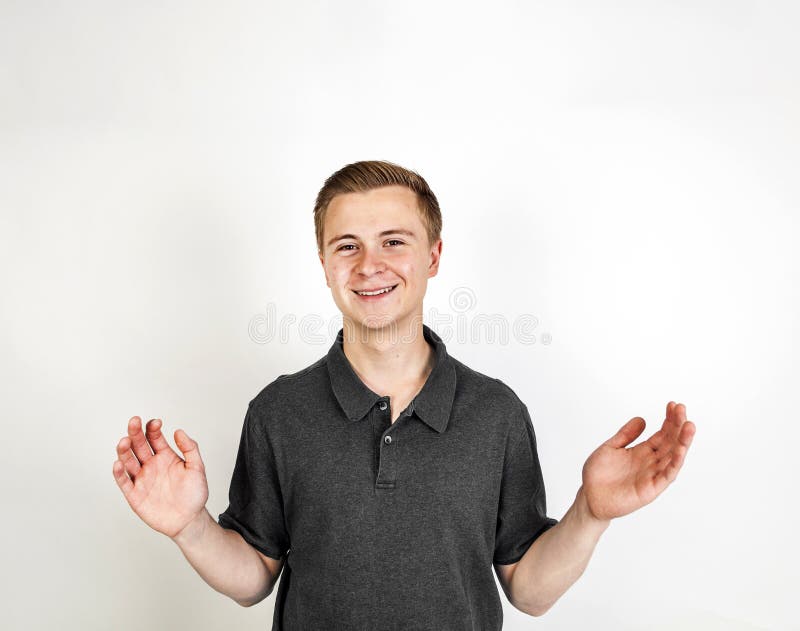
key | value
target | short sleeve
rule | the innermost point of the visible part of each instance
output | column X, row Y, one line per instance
column 522, row 514
column 255, row 507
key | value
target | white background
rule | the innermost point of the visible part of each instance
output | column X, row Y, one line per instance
column 627, row 172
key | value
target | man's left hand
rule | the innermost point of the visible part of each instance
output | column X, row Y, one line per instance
column 619, row 480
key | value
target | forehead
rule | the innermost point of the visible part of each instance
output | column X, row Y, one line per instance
column 373, row 209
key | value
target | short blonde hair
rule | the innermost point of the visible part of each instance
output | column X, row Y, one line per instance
column 366, row 175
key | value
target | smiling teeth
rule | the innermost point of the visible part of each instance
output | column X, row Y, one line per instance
column 375, row 293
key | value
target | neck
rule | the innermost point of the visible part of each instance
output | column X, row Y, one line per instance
column 391, row 359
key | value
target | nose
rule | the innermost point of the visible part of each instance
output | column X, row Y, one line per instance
column 370, row 262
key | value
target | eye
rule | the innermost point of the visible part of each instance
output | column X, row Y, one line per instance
column 395, row 241
column 346, row 245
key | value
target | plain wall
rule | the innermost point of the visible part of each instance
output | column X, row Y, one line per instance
column 624, row 172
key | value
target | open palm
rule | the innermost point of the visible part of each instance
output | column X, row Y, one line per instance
column 165, row 490
column 619, row 480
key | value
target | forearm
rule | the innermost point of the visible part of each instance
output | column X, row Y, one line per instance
column 225, row 560
column 556, row 559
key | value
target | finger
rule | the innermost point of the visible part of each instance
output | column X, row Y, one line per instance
column 155, row 437
column 190, row 450
column 679, row 414
column 123, row 481
column 126, row 457
column 668, row 416
column 657, row 441
column 627, row 433
column 688, row 431
column 684, row 429
column 663, row 443
column 674, row 465
column 669, row 429
column 674, row 422
column 138, row 442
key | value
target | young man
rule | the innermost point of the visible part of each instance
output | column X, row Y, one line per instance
column 387, row 478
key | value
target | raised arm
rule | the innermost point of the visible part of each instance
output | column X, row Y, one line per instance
column 617, row 480
column 169, row 494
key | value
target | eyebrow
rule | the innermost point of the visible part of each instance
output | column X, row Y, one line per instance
column 385, row 233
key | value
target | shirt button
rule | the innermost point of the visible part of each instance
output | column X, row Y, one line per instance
column 382, row 405
column 387, row 439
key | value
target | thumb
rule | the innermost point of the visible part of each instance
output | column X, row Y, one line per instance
column 627, row 433
column 190, row 450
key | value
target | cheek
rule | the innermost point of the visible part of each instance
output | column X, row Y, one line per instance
column 409, row 269
column 339, row 273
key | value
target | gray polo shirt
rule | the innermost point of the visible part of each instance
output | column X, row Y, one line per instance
column 387, row 525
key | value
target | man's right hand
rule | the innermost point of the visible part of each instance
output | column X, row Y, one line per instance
column 162, row 488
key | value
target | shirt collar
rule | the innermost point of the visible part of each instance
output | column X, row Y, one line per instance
column 432, row 404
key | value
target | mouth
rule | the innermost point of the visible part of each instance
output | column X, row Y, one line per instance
column 375, row 294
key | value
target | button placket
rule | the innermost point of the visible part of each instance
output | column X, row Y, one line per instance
column 387, row 457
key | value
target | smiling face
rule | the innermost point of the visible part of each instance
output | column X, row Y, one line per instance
column 376, row 240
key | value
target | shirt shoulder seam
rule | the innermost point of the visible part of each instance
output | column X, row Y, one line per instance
column 256, row 401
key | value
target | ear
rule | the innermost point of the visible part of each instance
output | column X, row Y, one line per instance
column 322, row 261
column 435, row 255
